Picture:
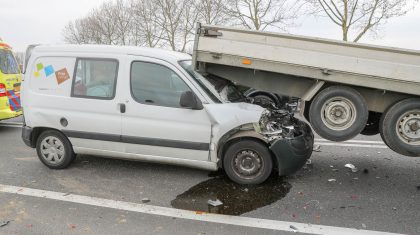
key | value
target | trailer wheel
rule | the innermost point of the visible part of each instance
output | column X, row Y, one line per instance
column 248, row 162
column 372, row 125
column 338, row 113
column 400, row 127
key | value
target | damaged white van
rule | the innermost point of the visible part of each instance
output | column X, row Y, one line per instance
column 148, row 104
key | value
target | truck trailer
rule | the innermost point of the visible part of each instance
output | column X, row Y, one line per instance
column 346, row 88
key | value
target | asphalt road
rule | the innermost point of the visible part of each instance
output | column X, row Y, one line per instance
column 383, row 195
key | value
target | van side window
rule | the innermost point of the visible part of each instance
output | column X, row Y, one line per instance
column 95, row 78
column 156, row 85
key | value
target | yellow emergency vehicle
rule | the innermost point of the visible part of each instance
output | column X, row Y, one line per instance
column 10, row 81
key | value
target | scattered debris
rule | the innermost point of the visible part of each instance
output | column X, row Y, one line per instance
column 351, row 167
column 364, row 226
column 300, row 193
column 366, row 171
column 246, row 190
column 332, row 180
column 377, row 177
column 145, row 200
column 4, row 223
column 394, row 208
column 317, row 148
column 309, row 162
column 294, row 228
column 216, row 202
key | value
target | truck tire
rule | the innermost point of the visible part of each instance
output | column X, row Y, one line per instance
column 372, row 125
column 54, row 150
column 400, row 127
column 248, row 162
column 338, row 113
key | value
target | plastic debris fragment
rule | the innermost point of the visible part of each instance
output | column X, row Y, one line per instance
column 351, row 167
column 216, row 202
column 332, row 180
column 317, row 148
column 145, row 200
column 4, row 223
column 294, row 228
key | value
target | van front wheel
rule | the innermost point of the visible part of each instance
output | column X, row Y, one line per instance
column 54, row 150
column 248, row 162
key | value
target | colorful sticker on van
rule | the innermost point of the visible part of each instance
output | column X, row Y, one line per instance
column 48, row 70
column 61, row 75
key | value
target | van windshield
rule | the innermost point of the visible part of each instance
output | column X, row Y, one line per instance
column 8, row 64
column 204, row 84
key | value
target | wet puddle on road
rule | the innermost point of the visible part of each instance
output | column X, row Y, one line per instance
column 237, row 199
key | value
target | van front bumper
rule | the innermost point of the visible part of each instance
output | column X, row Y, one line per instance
column 27, row 136
column 292, row 154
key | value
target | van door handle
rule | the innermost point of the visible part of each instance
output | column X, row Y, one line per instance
column 122, row 107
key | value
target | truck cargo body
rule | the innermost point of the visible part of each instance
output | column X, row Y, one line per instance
column 372, row 78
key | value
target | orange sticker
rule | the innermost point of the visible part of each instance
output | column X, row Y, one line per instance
column 61, row 75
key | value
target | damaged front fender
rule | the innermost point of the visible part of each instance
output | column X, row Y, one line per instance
column 290, row 139
column 292, row 153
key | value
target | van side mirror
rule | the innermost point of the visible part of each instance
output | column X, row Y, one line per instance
column 189, row 100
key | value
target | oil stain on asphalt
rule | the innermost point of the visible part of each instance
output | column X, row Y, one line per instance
column 237, row 199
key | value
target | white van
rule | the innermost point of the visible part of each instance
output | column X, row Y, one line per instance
column 148, row 104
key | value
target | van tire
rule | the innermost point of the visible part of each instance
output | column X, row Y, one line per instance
column 393, row 123
column 54, row 150
column 248, row 162
column 338, row 100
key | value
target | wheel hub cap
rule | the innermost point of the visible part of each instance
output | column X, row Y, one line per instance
column 338, row 113
column 409, row 127
column 247, row 163
column 52, row 150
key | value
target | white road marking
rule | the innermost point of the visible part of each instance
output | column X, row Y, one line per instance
column 352, row 145
column 184, row 214
column 353, row 141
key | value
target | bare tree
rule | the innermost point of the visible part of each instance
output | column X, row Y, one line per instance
column 122, row 18
column 146, row 29
column 357, row 17
column 212, row 11
column 261, row 14
column 176, row 18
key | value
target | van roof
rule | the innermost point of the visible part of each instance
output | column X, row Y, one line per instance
column 168, row 55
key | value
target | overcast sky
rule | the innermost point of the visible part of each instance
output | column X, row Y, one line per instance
column 24, row 22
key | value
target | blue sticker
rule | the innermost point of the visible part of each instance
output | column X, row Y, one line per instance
column 48, row 70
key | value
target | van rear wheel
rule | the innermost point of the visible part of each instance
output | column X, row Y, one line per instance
column 248, row 162
column 54, row 150
column 400, row 127
column 338, row 113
